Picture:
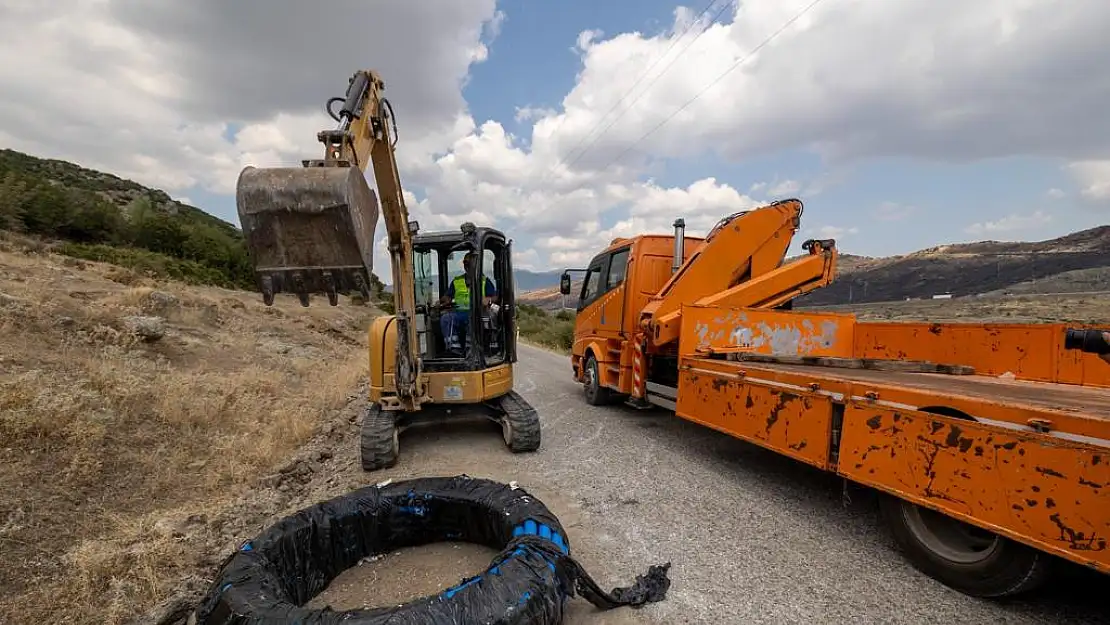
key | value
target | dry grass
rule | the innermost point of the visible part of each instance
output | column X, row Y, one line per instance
column 110, row 444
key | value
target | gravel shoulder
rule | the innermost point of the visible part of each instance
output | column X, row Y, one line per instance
column 752, row 537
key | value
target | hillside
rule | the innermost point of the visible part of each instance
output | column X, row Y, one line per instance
column 103, row 217
column 134, row 411
column 970, row 269
column 96, row 216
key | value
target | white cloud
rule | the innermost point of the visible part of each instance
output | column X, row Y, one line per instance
column 1093, row 177
column 1055, row 194
column 855, row 78
column 530, row 113
column 182, row 95
column 1011, row 224
column 784, row 189
column 178, row 95
column 861, row 77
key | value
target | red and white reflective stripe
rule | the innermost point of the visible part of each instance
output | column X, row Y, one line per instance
column 638, row 370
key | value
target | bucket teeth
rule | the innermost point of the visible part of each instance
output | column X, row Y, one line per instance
column 299, row 288
column 362, row 288
column 309, row 230
column 268, row 290
column 329, row 288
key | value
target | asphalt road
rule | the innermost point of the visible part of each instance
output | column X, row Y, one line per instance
column 752, row 537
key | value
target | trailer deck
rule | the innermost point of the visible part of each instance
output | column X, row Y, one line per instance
column 1085, row 403
column 1027, row 460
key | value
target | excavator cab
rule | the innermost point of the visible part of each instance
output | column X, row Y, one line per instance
column 461, row 327
column 449, row 345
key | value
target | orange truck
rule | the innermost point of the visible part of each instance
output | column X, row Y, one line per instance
column 989, row 444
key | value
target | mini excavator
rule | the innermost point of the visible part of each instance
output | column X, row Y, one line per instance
column 449, row 347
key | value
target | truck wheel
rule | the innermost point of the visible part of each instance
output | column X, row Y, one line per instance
column 379, row 438
column 520, row 423
column 969, row 559
column 596, row 394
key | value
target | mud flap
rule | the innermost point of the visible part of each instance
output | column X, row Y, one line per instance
column 309, row 230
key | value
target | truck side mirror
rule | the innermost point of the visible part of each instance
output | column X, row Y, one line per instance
column 564, row 283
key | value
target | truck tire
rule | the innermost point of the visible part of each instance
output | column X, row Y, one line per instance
column 379, row 438
column 520, row 423
column 966, row 558
column 596, row 394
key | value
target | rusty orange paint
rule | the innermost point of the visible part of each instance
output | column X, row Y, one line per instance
column 761, row 238
column 728, row 330
column 975, row 471
column 1071, row 410
column 1025, row 486
column 793, row 423
column 1028, row 351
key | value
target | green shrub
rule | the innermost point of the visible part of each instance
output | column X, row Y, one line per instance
column 538, row 326
column 104, row 218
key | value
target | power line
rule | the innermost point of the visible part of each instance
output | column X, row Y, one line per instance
column 642, row 76
column 649, row 85
column 715, row 81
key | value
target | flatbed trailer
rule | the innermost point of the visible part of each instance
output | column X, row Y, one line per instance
column 1026, row 459
column 989, row 444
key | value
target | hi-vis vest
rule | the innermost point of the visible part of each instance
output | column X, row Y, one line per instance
column 462, row 292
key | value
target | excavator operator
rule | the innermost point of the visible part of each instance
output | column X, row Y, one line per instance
column 453, row 322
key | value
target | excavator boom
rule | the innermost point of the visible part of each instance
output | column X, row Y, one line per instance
column 310, row 229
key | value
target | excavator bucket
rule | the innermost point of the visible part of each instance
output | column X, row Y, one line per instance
column 308, row 229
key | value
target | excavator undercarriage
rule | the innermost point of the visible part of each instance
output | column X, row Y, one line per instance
column 310, row 230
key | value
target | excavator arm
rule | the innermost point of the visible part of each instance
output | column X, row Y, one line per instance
column 310, row 229
column 740, row 264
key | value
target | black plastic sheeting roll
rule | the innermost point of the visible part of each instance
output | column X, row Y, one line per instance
column 269, row 578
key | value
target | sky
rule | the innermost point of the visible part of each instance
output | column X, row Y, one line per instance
column 900, row 125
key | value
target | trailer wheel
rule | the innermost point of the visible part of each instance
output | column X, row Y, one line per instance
column 596, row 394
column 962, row 556
column 379, row 438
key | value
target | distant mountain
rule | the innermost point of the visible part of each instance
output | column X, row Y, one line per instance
column 970, row 269
column 531, row 280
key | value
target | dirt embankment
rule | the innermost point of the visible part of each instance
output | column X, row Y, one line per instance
column 131, row 416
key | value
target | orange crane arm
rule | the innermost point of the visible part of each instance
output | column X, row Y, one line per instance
column 740, row 264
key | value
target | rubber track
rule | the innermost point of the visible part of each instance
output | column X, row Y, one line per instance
column 525, row 422
column 376, row 438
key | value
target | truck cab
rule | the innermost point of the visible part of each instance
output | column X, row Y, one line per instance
column 616, row 286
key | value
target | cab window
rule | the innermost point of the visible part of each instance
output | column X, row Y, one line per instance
column 618, row 267
column 591, row 288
